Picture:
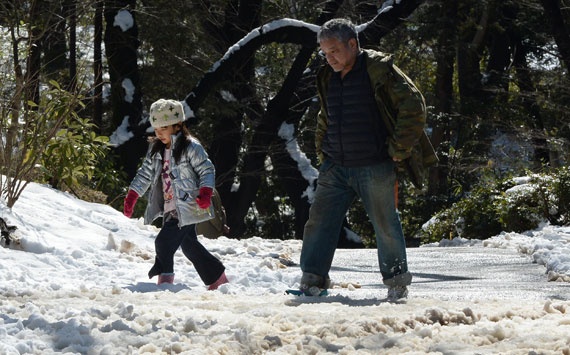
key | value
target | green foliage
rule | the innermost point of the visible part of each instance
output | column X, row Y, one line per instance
column 72, row 155
column 473, row 217
column 173, row 59
column 512, row 205
column 416, row 208
column 271, row 215
column 561, row 190
column 29, row 132
column 112, row 182
column 524, row 206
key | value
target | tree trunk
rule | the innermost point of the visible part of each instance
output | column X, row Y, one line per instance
column 121, row 44
column 33, row 60
column 286, row 171
column 98, row 67
column 71, row 14
column 560, row 30
column 54, row 47
column 468, row 58
column 529, row 101
column 265, row 134
column 227, row 141
column 276, row 113
column 293, row 171
column 441, row 132
column 387, row 20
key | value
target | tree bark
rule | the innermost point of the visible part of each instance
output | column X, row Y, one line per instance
column 54, row 47
column 387, row 20
column 121, row 49
column 468, row 58
column 71, row 14
column 33, row 60
column 98, row 67
column 441, row 133
column 560, row 30
column 529, row 101
column 265, row 134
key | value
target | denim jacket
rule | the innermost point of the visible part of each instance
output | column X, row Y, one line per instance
column 194, row 170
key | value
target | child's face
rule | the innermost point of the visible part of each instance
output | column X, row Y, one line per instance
column 164, row 134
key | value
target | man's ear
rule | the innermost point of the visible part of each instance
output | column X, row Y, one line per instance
column 353, row 43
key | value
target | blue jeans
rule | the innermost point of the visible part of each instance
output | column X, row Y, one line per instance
column 337, row 188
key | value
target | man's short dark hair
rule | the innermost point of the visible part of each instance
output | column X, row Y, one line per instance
column 339, row 28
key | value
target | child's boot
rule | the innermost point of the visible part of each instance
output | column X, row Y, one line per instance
column 220, row 281
column 165, row 278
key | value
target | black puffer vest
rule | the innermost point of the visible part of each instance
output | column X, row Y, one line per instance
column 356, row 135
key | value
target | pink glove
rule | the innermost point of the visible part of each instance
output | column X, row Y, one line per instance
column 204, row 199
column 130, row 202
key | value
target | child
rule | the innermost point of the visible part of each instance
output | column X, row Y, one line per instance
column 181, row 179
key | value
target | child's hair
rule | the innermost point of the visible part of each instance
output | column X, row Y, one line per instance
column 181, row 145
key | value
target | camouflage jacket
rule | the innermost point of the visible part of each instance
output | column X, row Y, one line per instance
column 402, row 109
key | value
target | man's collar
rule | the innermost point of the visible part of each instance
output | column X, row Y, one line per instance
column 359, row 61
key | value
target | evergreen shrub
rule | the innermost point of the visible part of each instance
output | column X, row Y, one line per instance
column 510, row 204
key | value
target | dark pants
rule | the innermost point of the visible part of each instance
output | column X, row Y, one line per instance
column 167, row 242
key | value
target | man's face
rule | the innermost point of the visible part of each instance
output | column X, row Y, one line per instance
column 341, row 56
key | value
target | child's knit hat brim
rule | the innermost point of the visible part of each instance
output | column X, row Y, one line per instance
column 166, row 113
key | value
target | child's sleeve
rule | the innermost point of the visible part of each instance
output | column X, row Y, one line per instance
column 143, row 178
column 202, row 165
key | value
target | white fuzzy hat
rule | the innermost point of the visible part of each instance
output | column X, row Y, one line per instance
column 166, row 112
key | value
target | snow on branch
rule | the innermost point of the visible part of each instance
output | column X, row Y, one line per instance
column 390, row 15
column 280, row 31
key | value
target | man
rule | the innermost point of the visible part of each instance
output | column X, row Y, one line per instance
column 371, row 117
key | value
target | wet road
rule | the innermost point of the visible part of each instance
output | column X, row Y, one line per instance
column 456, row 273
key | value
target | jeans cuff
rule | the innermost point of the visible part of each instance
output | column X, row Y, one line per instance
column 399, row 280
column 309, row 280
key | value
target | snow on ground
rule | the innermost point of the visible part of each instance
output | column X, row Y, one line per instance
column 77, row 284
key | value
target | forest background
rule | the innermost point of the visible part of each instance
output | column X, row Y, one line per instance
column 77, row 78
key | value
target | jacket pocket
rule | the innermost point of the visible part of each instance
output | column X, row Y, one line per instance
column 187, row 205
